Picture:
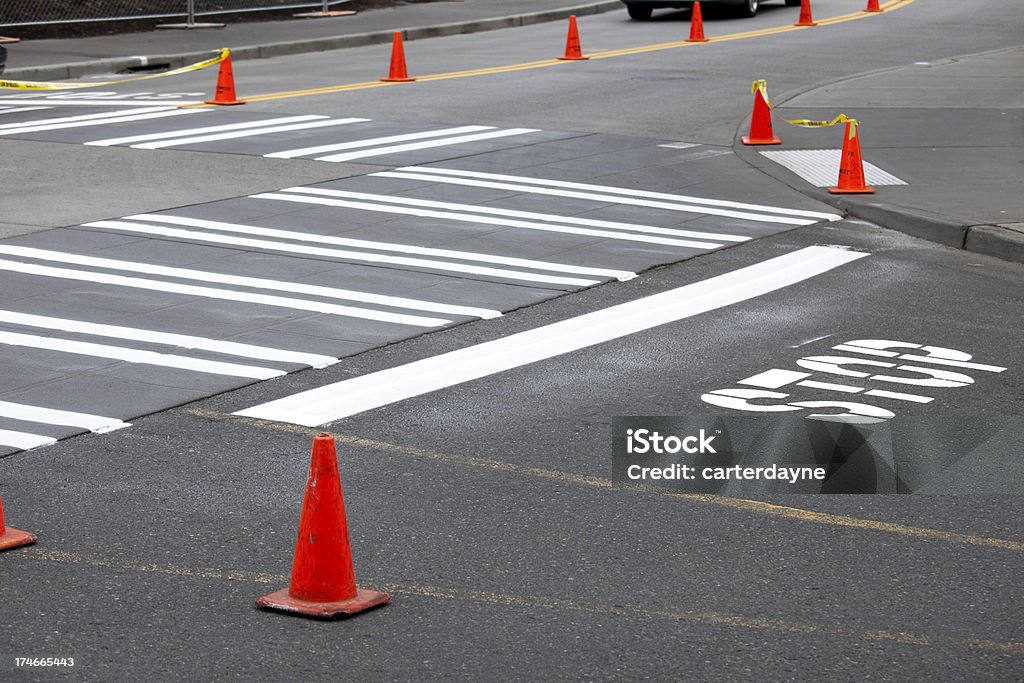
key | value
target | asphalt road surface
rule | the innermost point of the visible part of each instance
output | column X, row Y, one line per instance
column 472, row 276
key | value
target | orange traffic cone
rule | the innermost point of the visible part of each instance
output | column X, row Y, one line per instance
column 397, row 72
column 572, row 43
column 873, row 6
column 225, row 93
column 696, row 26
column 851, row 167
column 805, row 14
column 12, row 538
column 761, row 123
column 323, row 583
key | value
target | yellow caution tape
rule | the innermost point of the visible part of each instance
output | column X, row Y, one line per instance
column 222, row 54
column 762, row 87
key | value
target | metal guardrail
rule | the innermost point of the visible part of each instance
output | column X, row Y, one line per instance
column 15, row 13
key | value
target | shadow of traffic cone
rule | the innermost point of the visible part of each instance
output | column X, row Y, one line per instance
column 397, row 72
column 872, row 6
column 225, row 93
column 851, row 166
column 761, row 121
column 573, row 53
column 323, row 583
column 805, row 14
column 696, row 26
column 13, row 538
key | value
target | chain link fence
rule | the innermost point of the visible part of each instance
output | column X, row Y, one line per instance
column 14, row 13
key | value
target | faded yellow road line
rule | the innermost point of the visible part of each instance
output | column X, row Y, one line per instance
column 717, row 619
column 754, row 506
column 606, row 54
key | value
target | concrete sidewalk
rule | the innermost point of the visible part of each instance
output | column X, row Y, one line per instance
column 952, row 129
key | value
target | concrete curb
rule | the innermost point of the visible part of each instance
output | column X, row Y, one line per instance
column 1003, row 242
column 118, row 64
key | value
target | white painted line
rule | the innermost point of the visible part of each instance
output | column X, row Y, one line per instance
column 24, row 440
column 350, row 397
column 414, row 146
column 373, row 142
column 167, row 360
column 603, row 198
column 18, row 110
column 213, row 137
column 102, row 122
column 167, row 338
column 528, row 215
column 820, row 167
column 80, row 117
column 900, row 396
column 196, row 131
column 485, row 220
column 829, row 386
column 27, row 413
column 50, row 102
column 621, row 275
column 629, row 192
column 774, row 379
column 359, row 256
column 222, row 294
column 241, row 280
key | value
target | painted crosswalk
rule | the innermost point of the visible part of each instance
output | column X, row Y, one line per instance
column 112, row 319
column 157, row 126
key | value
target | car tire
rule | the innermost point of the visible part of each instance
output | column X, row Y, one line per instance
column 639, row 12
column 748, row 8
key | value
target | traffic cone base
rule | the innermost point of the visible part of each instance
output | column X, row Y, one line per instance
column 573, row 52
column 839, row 190
column 282, row 601
column 696, row 26
column 747, row 140
column 397, row 72
column 225, row 93
column 13, row 538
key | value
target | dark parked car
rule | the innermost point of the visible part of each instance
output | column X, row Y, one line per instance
column 642, row 9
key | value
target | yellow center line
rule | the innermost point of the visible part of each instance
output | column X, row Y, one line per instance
column 544, row 63
column 753, row 506
column 714, row 619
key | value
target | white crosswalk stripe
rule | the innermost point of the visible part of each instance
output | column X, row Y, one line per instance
column 251, row 132
column 121, row 353
column 27, row 413
column 484, row 220
column 601, row 194
column 197, row 131
column 185, row 341
column 244, row 281
column 629, row 192
column 24, row 440
column 713, row 237
column 428, row 144
column 621, row 275
column 223, row 294
column 16, row 129
column 373, row 142
column 504, row 273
